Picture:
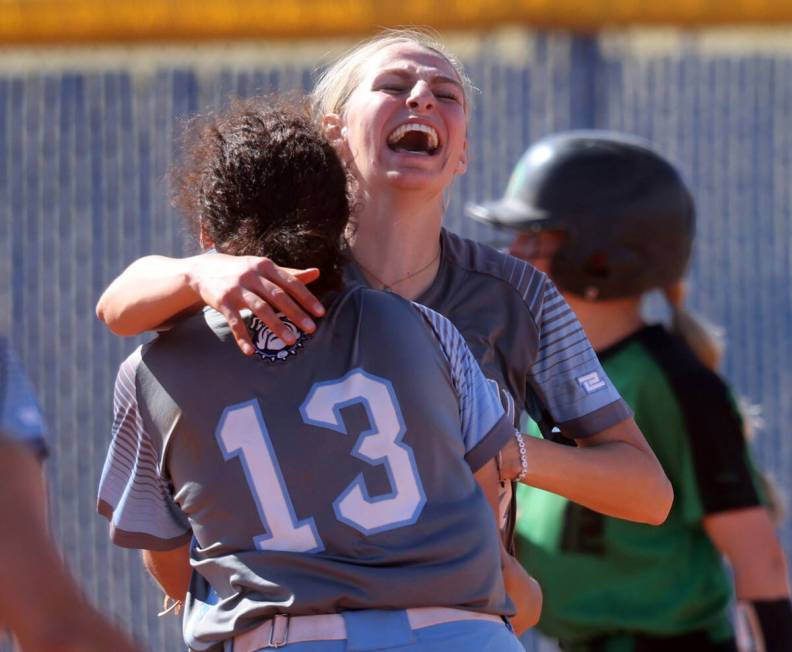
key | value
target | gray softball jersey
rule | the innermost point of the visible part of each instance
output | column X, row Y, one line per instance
column 336, row 474
column 525, row 337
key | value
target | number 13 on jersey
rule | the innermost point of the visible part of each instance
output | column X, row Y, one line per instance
column 242, row 432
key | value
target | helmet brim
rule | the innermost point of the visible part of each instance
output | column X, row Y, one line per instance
column 506, row 213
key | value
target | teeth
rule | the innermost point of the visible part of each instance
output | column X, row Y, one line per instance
column 397, row 133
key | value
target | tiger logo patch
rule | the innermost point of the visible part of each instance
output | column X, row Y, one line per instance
column 271, row 347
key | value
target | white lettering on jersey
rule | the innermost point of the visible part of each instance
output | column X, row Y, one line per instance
column 243, row 433
column 591, row 382
column 382, row 444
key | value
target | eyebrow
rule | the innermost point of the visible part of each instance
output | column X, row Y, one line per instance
column 404, row 74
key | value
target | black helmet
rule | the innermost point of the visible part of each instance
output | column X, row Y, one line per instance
column 628, row 216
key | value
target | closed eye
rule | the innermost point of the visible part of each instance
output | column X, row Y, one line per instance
column 447, row 92
column 391, row 88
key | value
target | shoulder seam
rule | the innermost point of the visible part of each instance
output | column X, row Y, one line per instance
column 457, row 263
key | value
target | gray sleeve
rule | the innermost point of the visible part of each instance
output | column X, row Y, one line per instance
column 567, row 375
column 20, row 416
column 485, row 426
column 133, row 496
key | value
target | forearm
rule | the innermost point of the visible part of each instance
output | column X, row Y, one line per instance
column 766, row 580
column 748, row 540
column 147, row 294
column 171, row 569
column 524, row 591
column 614, row 478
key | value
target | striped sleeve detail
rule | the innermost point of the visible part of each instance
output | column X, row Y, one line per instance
column 567, row 374
column 133, row 496
column 485, row 425
column 527, row 280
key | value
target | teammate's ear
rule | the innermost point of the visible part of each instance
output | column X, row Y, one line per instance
column 335, row 131
column 461, row 166
column 333, row 127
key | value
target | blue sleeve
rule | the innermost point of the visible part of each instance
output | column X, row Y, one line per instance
column 567, row 375
column 20, row 416
column 485, row 426
column 133, row 496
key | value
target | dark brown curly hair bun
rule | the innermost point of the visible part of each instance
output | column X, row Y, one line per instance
column 261, row 180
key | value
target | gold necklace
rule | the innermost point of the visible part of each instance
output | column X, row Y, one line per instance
column 388, row 287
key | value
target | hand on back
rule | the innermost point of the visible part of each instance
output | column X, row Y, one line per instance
column 230, row 284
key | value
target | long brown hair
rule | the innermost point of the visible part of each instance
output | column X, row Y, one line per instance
column 260, row 179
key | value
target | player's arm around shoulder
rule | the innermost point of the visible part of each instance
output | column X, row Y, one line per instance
column 633, row 471
column 611, row 469
column 613, row 472
column 154, row 290
column 524, row 590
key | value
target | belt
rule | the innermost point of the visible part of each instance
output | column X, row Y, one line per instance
column 281, row 630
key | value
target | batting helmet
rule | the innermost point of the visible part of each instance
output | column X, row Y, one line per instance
column 628, row 217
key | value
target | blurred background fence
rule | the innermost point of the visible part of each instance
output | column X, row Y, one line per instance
column 87, row 136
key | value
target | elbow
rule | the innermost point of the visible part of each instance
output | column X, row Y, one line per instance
column 104, row 315
column 101, row 312
column 110, row 318
column 651, row 498
column 656, row 491
column 662, row 502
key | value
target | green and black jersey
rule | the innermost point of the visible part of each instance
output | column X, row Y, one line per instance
column 603, row 575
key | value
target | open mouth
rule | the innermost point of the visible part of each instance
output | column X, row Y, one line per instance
column 414, row 138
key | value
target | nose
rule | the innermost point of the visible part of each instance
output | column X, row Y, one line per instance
column 421, row 97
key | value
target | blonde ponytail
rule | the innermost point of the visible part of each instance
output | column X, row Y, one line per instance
column 703, row 338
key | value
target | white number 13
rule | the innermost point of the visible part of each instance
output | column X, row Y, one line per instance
column 243, row 433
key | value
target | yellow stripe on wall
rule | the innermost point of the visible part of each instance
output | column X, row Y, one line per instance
column 87, row 21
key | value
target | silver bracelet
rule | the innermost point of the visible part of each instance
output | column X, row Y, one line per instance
column 523, row 457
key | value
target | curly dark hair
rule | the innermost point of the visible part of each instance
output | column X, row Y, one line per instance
column 260, row 179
